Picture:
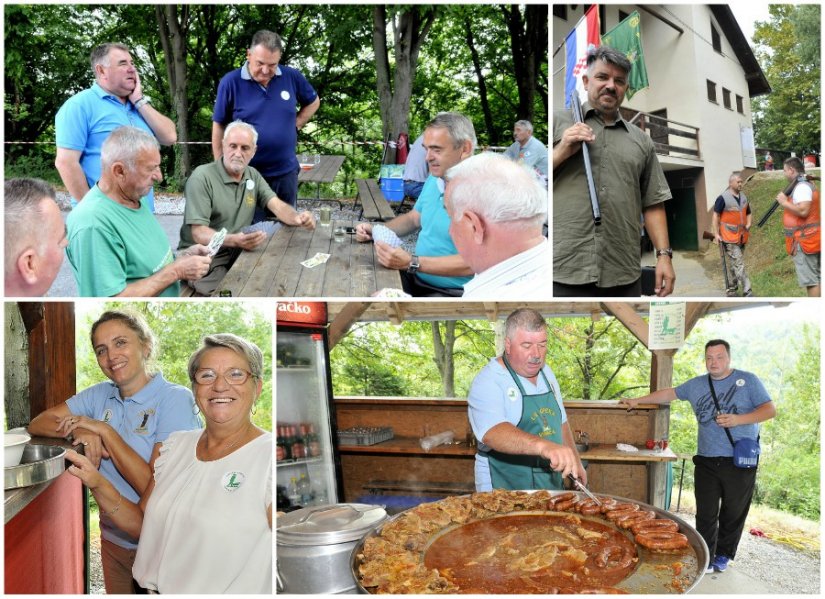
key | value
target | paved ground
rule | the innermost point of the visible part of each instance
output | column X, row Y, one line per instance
column 693, row 275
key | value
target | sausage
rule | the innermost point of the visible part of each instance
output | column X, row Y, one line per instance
column 621, row 510
column 635, row 517
column 588, row 507
column 665, row 540
column 614, row 557
column 565, row 504
column 561, row 497
column 657, row 524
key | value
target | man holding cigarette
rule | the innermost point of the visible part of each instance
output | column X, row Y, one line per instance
column 604, row 260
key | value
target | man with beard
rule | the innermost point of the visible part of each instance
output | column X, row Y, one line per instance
column 223, row 195
column 435, row 269
column 116, row 245
column 87, row 118
column 516, row 411
column 723, row 490
column 605, row 260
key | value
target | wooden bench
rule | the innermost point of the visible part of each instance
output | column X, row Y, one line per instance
column 374, row 206
column 420, row 486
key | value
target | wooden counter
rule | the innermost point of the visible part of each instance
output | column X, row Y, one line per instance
column 634, row 475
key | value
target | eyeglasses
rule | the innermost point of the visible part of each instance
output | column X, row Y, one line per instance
column 233, row 376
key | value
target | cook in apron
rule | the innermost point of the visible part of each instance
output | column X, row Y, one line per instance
column 540, row 415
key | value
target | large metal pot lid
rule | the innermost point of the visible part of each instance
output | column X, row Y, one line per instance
column 328, row 524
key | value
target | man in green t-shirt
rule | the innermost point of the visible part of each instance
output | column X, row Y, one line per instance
column 223, row 195
column 116, row 246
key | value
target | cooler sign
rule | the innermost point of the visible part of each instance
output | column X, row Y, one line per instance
column 302, row 313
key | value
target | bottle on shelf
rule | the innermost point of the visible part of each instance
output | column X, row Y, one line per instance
column 305, row 490
column 313, row 443
column 319, row 492
column 297, row 450
column 293, row 493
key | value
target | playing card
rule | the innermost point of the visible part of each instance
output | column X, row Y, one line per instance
column 267, row 226
column 216, row 242
column 385, row 235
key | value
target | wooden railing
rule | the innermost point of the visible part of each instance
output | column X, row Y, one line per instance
column 670, row 138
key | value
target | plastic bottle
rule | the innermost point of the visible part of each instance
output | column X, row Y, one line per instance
column 319, row 493
column 305, row 490
column 293, row 492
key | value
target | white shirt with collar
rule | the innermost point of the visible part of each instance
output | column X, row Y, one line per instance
column 525, row 276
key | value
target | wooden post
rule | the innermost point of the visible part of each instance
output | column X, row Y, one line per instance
column 661, row 377
column 52, row 362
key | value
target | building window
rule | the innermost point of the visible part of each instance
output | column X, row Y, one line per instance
column 560, row 11
column 726, row 98
column 740, row 104
column 716, row 39
column 712, row 91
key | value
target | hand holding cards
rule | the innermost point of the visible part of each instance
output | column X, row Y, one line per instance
column 267, row 226
column 216, row 242
column 385, row 235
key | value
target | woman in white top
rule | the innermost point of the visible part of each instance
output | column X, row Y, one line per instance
column 205, row 520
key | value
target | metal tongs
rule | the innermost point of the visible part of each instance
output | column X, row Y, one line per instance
column 578, row 484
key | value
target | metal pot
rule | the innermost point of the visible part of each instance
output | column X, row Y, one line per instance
column 315, row 543
column 646, row 578
column 40, row 463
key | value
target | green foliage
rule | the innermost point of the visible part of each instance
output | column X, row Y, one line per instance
column 47, row 50
column 789, row 118
column 179, row 328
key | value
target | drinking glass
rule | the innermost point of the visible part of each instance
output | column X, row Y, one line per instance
column 316, row 159
column 326, row 216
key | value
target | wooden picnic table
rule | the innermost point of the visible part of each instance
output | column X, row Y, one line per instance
column 275, row 269
column 324, row 172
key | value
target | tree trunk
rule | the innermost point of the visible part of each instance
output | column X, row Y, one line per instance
column 489, row 123
column 528, row 44
column 410, row 26
column 173, row 40
column 443, row 354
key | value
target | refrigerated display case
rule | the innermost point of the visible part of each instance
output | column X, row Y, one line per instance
column 308, row 470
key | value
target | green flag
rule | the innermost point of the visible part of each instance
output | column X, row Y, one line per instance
column 626, row 37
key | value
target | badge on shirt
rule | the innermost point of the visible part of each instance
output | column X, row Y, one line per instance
column 107, row 415
column 740, row 382
column 285, row 95
column 232, row 481
column 512, row 394
column 143, row 428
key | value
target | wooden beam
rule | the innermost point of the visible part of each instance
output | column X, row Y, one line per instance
column 491, row 311
column 661, row 377
column 625, row 313
column 52, row 362
column 339, row 327
column 395, row 312
column 694, row 312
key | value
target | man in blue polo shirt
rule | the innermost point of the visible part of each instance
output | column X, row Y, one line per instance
column 435, row 269
column 277, row 101
column 87, row 118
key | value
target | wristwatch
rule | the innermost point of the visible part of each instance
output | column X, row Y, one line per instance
column 415, row 264
column 665, row 252
column 143, row 100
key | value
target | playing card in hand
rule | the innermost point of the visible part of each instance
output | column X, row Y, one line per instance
column 267, row 226
column 385, row 235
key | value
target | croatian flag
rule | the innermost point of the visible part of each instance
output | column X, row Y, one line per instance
column 584, row 36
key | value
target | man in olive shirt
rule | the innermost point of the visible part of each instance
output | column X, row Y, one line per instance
column 604, row 260
column 223, row 195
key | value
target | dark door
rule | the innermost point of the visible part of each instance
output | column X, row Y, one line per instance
column 681, row 219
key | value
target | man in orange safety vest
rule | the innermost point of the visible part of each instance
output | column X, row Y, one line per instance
column 732, row 221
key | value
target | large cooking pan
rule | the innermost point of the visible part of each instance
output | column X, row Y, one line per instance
column 646, row 578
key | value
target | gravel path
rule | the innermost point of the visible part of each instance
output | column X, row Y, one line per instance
column 786, row 570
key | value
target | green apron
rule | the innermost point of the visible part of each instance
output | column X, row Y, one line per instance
column 541, row 416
